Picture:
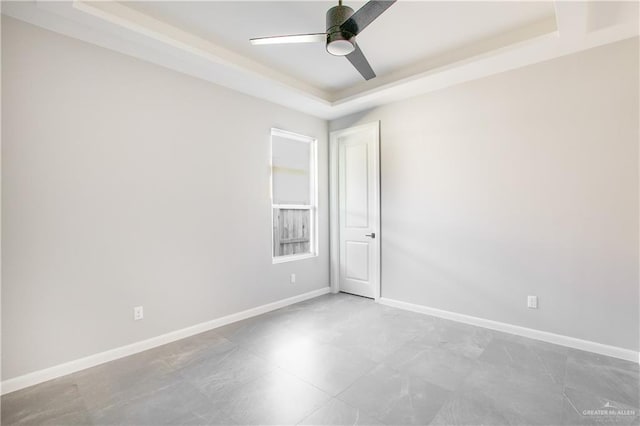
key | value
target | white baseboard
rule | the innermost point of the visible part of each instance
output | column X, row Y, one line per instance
column 40, row 376
column 558, row 339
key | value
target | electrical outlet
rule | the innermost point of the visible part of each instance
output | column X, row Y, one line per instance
column 532, row 302
column 138, row 313
column 293, row 278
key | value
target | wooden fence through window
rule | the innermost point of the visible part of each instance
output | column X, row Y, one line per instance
column 291, row 231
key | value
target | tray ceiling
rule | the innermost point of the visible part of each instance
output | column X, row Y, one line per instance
column 414, row 47
column 406, row 34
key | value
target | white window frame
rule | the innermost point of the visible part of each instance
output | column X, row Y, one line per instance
column 313, row 195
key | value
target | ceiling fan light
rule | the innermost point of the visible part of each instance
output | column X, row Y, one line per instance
column 340, row 47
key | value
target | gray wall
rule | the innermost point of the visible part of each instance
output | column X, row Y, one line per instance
column 127, row 184
column 523, row 183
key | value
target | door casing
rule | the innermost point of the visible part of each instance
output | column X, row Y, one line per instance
column 334, row 204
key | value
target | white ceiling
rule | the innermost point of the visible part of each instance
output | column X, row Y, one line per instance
column 414, row 47
column 407, row 33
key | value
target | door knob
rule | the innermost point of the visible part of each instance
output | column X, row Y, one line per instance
column 372, row 235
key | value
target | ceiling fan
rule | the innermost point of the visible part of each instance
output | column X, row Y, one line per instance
column 343, row 25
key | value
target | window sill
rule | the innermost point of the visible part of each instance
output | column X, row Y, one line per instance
column 285, row 259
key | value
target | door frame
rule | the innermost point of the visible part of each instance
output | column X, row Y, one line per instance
column 334, row 204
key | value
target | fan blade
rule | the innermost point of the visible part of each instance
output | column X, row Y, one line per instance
column 358, row 60
column 365, row 15
column 295, row 38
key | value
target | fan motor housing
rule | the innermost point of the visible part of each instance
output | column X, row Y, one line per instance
column 339, row 42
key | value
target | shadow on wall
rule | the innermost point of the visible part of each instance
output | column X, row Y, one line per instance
column 351, row 120
column 431, row 266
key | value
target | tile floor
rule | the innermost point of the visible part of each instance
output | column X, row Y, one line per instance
column 341, row 360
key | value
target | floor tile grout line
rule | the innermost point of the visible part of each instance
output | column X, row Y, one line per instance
column 277, row 367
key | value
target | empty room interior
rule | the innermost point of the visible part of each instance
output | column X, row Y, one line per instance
column 320, row 212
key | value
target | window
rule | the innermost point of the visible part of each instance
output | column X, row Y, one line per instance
column 293, row 195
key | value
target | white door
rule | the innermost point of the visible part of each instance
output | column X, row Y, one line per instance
column 356, row 154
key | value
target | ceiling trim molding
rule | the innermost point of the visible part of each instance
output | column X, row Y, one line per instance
column 120, row 28
column 145, row 25
column 571, row 19
column 530, row 52
column 512, row 40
